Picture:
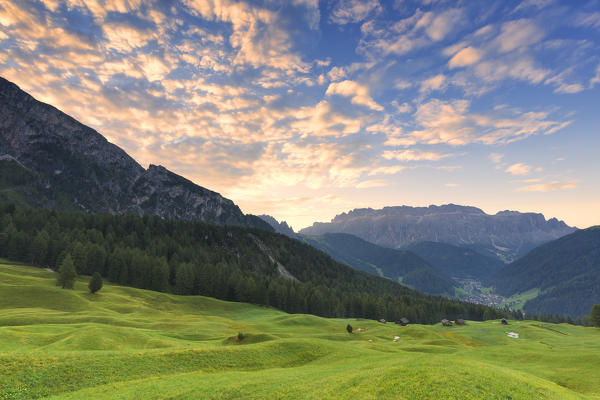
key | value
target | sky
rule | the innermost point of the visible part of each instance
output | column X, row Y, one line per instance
column 303, row 109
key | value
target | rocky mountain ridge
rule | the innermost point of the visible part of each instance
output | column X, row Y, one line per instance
column 280, row 227
column 51, row 160
column 506, row 235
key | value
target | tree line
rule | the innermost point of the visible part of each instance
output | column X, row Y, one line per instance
column 225, row 262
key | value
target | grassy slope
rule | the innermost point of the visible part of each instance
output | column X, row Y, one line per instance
column 126, row 343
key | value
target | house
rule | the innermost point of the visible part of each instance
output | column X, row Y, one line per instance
column 403, row 321
column 460, row 322
column 445, row 322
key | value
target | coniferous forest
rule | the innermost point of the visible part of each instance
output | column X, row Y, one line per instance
column 225, row 262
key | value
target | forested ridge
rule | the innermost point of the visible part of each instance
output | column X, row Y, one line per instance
column 391, row 263
column 566, row 271
column 225, row 262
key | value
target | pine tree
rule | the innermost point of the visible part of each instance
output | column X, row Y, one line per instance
column 595, row 316
column 67, row 273
column 184, row 279
column 95, row 283
column 39, row 248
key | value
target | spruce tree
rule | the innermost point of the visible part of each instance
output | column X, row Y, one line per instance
column 67, row 273
column 595, row 316
column 95, row 283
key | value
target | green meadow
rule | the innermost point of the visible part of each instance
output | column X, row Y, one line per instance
column 126, row 343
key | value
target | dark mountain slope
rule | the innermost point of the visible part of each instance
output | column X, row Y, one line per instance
column 454, row 261
column 566, row 270
column 506, row 235
column 401, row 265
column 50, row 160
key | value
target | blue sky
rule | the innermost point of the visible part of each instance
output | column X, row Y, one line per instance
column 303, row 109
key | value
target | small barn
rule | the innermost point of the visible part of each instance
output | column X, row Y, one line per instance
column 460, row 322
column 402, row 321
column 445, row 322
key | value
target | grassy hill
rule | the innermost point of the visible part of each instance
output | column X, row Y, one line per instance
column 129, row 343
column 398, row 265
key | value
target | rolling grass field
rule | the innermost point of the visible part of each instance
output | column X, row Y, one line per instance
column 125, row 343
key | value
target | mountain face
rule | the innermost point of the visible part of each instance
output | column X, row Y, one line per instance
column 566, row 272
column 505, row 235
column 50, row 160
column 397, row 265
column 455, row 261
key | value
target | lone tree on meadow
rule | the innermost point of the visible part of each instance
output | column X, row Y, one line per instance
column 66, row 273
column 95, row 283
column 595, row 316
column 349, row 328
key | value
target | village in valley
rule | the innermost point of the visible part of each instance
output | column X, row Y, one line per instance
column 477, row 293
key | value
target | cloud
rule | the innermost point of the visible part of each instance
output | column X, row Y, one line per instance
column 549, row 187
column 596, row 79
column 387, row 170
column 402, row 108
column 434, row 83
column 450, row 122
column 413, row 155
column 353, row 11
column 591, row 20
column 125, row 38
column 359, row 93
column 538, row 4
column 438, row 26
column 323, row 120
column 420, row 30
column 256, row 36
column 562, row 86
column 465, row 57
column 496, row 158
column 372, row 183
column 518, row 169
column 518, row 34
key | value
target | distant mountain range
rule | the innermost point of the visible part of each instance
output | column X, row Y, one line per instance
column 50, row 160
column 565, row 272
column 506, row 235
